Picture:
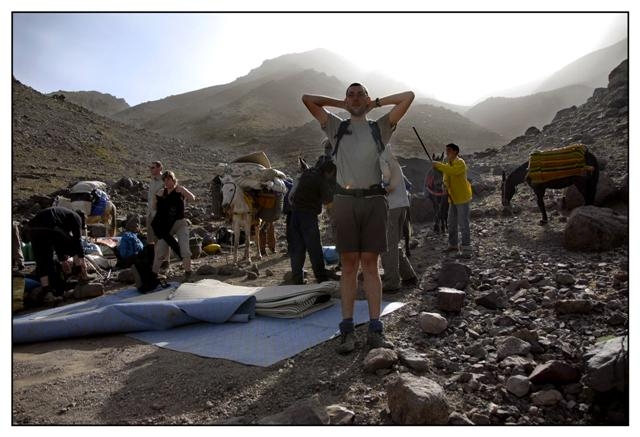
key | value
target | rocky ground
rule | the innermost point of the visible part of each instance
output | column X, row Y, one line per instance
column 527, row 302
column 510, row 340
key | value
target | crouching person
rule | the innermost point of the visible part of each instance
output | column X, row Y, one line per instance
column 130, row 245
column 56, row 231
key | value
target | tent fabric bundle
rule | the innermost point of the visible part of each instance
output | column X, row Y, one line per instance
column 289, row 301
column 283, row 301
column 548, row 165
column 130, row 311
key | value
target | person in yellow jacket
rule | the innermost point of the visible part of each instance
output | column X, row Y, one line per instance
column 454, row 171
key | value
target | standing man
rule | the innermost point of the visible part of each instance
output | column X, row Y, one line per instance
column 459, row 189
column 359, row 205
column 394, row 261
column 155, row 184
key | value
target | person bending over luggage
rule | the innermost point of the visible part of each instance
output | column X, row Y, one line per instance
column 169, row 220
column 313, row 189
column 58, row 231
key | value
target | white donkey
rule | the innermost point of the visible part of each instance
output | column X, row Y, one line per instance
column 243, row 216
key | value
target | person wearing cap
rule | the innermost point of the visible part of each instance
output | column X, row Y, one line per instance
column 313, row 189
column 359, row 205
column 454, row 172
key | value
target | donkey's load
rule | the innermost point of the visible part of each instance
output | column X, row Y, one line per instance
column 559, row 163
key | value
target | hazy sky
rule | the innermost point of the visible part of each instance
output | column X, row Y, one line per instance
column 147, row 57
column 457, row 58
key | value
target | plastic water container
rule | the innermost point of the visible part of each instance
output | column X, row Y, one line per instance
column 330, row 254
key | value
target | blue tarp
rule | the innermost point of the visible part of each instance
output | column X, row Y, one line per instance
column 129, row 311
column 265, row 340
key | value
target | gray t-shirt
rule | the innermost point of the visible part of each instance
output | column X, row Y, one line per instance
column 357, row 159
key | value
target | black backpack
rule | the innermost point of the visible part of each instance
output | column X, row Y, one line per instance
column 343, row 129
column 146, row 280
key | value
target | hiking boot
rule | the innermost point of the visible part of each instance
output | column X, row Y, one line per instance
column 465, row 254
column 187, row 275
column 451, row 249
column 347, row 343
column 376, row 339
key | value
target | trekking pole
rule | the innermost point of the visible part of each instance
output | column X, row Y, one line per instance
column 423, row 146
column 97, row 268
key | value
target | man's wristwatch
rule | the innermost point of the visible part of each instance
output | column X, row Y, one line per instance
column 378, row 102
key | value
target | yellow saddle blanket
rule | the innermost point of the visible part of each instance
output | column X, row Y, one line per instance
column 548, row 165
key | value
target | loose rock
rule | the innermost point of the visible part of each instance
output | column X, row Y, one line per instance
column 416, row 400
column 433, row 323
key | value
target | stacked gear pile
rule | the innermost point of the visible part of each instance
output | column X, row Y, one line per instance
column 552, row 164
column 265, row 185
column 89, row 197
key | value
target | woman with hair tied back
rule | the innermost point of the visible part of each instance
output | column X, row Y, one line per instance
column 169, row 203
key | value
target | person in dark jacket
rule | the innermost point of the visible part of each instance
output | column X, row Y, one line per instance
column 58, row 231
column 313, row 188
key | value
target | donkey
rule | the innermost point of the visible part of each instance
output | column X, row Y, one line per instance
column 108, row 216
column 437, row 193
column 586, row 183
column 240, row 205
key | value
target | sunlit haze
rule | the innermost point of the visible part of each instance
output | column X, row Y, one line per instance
column 456, row 58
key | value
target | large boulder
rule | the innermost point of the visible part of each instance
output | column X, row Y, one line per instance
column 605, row 192
column 593, row 229
column 415, row 400
column 608, row 365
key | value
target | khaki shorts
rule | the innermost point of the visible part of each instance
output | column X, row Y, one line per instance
column 361, row 223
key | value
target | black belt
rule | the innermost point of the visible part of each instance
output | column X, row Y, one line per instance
column 374, row 190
